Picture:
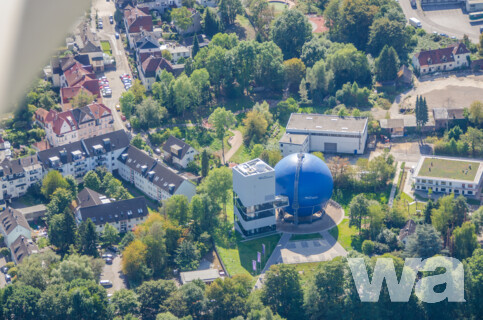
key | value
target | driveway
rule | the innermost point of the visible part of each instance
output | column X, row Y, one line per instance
column 113, row 273
column 448, row 19
column 104, row 10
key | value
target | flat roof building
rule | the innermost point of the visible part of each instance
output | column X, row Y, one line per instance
column 449, row 175
column 254, row 198
column 325, row 133
column 207, row 276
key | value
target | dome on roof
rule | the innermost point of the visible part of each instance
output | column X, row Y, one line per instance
column 314, row 185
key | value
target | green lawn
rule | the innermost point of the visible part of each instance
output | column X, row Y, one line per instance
column 296, row 237
column 345, row 235
column 238, row 259
column 452, row 169
column 306, row 270
column 106, row 47
column 414, row 206
column 278, row 7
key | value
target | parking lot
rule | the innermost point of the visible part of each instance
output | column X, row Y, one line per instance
column 113, row 273
column 448, row 19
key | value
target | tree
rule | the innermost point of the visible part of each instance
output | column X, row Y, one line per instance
column 387, row 65
column 187, row 256
column 325, row 290
column 212, row 24
column 282, row 291
column 290, row 31
column 427, row 211
column 285, row 109
column 88, row 238
column 133, row 260
column 128, row 102
column 177, row 208
column 182, row 18
column 315, row 50
column 166, row 316
column 359, row 209
column 424, row 243
column 222, row 120
column 228, row 297
column 228, row 10
column 153, row 296
column 217, row 185
column 125, row 302
column 138, row 90
column 255, row 127
column 204, row 213
column 92, row 181
column 110, row 235
column 150, row 113
column 477, row 219
column 196, row 46
column 272, row 157
column 318, row 78
column 349, row 65
column 20, row 302
column 72, row 185
column 386, row 32
column 269, row 65
column 51, row 182
column 476, row 112
column 200, row 80
column 303, row 93
column 193, row 295
column 421, row 112
column 205, row 163
column 60, row 200
column 244, row 58
column 185, row 95
column 464, row 240
column 474, row 281
column 82, row 99
column 294, row 72
column 62, row 230
column 262, row 15
column 73, row 268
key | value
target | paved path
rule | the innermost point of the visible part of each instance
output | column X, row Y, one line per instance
column 394, row 185
column 303, row 251
column 235, row 143
column 274, row 258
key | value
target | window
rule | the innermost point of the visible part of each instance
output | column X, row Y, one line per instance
column 424, row 180
column 443, row 183
column 451, row 183
column 470, row 186
column 470, row 192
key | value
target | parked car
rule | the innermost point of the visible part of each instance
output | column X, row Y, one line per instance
column 117, row 35
column 113, row 249
column 118, row 107
column 123, row 118
column 8, row 278
column 100, row 25
column 157, row 151
column 111, row 19
column 128, row 125
column 108, row 260
column 105, row 283
column 4, row 269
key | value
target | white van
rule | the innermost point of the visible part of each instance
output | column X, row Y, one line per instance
column 105, row 283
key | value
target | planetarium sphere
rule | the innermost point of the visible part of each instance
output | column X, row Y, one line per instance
column 314, row 185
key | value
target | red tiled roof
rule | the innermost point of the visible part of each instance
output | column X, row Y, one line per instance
column 89, row 86
column 438, row 56
column 150, row 65
column 165, row 65
column 144, row 55
column 41, row 114
column 138, row 19
column 78, row 73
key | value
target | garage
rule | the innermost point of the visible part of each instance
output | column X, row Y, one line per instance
column 330, row 147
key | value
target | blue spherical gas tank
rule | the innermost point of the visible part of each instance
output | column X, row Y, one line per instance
column 315, row 182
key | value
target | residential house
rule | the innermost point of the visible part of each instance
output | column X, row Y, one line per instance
column 175, row 69
column 17, row 175
column 91, row 46
column 147, row 70
column 393, row 127
column 203, row 41
column 124, row 215
column 195, row 26
column 207, row 3
column 69, row 126
column 404, row 76
column 17, row 234
column 177, row 51
column 136, row 20
column 444, row 117
column 147, row 44
column 445, row 59
column 178, row 152
column 151, row 176
column 79, row 157
column 160, row 5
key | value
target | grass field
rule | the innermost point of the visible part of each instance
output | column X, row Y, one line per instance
column 452, row 169
column 296, row 237
column 414, row 206
column 106, row 47
column 238, row 260
column 345, row 235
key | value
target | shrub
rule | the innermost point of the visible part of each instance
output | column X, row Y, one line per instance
column 368, row 247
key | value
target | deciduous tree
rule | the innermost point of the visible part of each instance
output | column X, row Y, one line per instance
column 290, row 31
column 222, row 120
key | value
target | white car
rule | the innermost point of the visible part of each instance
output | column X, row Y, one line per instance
column 105, row 283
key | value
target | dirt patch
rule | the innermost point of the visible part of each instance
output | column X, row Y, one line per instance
column 318, row 24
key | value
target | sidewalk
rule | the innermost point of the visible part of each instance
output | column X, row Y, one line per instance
column 394, row 185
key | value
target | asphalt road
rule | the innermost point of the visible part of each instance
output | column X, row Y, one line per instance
column 104, row 10
column 448, row 19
